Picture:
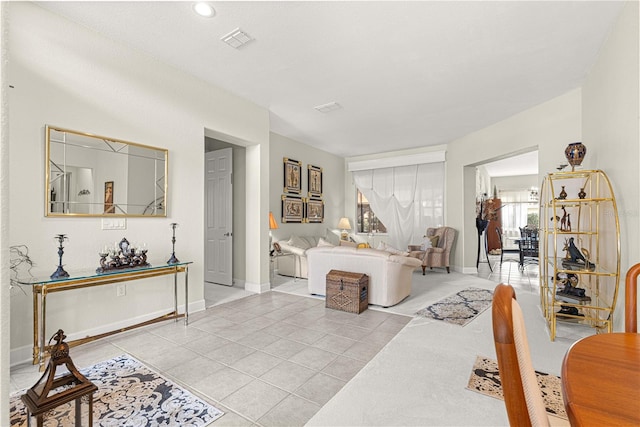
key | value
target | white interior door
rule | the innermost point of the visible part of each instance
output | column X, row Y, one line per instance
column 219, row 217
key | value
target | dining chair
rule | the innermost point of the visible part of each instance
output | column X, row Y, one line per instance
column 522, row 395
column 528, row 245
column 631, row 299
column 499, row 233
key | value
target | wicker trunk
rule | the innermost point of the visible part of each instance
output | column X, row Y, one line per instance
column 347, row 291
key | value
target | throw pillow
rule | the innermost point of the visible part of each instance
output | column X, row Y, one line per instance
column 363, row 245
column 298, row 242
column 322, row 242
column 426, row 244
column 332, row 237
column 384, row 247
column 434, row 241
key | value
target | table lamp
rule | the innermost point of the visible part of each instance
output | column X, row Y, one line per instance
column 273, row 225
column 345, row 225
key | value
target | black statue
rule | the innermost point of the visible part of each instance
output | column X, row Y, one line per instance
column 576, row 261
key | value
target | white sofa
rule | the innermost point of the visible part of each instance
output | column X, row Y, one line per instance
column 389, row 275
column 297, row 264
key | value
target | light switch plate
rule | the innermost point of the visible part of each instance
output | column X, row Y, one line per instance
column 114, row 223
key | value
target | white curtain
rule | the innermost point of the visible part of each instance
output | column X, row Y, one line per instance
column 514, row 212
column 407, row 199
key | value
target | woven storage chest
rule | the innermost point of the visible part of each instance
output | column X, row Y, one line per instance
column 347, row 291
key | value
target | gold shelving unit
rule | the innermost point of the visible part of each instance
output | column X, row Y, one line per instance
column 587, row 216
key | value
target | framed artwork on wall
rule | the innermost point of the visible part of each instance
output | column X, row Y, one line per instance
column 292, row 209
column 292, row 178
column 109, row 208
column 314, row 181
column 315, row 210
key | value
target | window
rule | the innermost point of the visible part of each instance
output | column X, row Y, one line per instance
column 366, row 218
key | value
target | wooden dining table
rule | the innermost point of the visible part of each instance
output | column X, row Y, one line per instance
column 601, row 380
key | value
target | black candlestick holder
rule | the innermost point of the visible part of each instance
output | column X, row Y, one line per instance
column 173, row 259
column 60, row 271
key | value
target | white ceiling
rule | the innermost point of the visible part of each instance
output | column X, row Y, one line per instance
column 407, row 74
column 522, row 164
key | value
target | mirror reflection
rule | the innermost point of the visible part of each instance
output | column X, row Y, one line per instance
column 91, row 175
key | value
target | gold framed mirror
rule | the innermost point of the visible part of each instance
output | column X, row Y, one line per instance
column 93, row 175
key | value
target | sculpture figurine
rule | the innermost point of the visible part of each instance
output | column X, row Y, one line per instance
column 575, row 260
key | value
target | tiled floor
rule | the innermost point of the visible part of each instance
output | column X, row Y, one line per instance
column 272, row 359
column 509, row 272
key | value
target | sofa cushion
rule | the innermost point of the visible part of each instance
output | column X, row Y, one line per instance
column 303, row 242
column 323, row 242
column 382, row 246
column 332, row 237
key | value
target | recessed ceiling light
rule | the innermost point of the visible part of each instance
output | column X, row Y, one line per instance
column 204, row 9
column 327, row 108
column 236, row 38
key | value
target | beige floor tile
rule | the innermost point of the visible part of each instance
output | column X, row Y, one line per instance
column 255, row 399
column 206, row 344
column 284, row 348
column 222, row 383
column 191, row 371
column 334, row 343
column 313, row 358
column 288, row 376
column 258, row 340
column 230, row 353
column 344, row 368
column 292, row 411
column 306, row 336
column 257, row 363
column 320, row 388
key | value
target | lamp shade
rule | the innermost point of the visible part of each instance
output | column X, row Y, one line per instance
column 273, row 225
column 344, row 224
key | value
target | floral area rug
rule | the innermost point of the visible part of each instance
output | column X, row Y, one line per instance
column 460, row 308
column 129, row 394
column 485, row 379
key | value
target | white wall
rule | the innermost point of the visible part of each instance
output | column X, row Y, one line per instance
column 4, row 221
column 333, row 177
column 610, row 105
column 66, row 75
column 611, row 115
column 548, row 127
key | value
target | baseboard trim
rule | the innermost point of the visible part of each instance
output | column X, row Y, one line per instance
column 258, row 288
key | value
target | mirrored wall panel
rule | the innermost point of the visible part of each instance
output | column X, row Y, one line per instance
column 92, row 175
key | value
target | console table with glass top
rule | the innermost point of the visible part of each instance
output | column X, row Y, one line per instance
column 41, row 287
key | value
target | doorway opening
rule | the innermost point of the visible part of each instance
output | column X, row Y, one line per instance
column 225, row 212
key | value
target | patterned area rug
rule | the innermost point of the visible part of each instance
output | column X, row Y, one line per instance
column 485, row 379
column 129, row 394
column 460, row 308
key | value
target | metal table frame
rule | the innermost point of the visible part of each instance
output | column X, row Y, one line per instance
column 42, row 287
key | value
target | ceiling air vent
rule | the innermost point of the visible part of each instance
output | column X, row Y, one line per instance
column 236, row 38
column 327, row 108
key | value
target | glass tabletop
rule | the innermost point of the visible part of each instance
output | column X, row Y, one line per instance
column 91, row 273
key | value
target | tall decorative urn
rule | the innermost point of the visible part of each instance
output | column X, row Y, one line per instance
column 575, row 153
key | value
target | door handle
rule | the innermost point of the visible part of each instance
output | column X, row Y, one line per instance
column 228, row 234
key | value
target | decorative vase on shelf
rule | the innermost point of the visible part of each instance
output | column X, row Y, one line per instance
column 575, row 153
column 563, row 194
column 582, row 194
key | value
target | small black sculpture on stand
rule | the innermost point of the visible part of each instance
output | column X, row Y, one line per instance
column 60, row 271
column 173, row 259
column 576, row 261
